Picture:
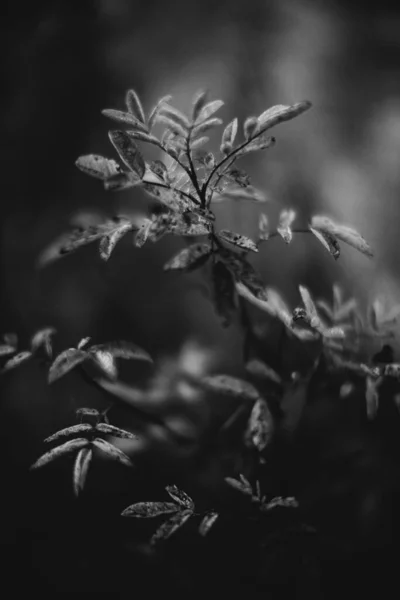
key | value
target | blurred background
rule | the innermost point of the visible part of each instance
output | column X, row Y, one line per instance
column 64, row 61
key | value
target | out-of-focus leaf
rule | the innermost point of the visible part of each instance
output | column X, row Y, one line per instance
column 189, row 258
column 223, row 292
column 6, row 349
column 134, row 105
column 98, row 166
column 81, row 468
column 280, row 113
column 312, row 314
column 244, row 272
column 124, row 117
column 146, row 510
column 59, row 451
column 392, row 370
column 284, row 228
column 122, row 181
column 65, row 362
column 209, row 109
column 180, row 496
column 122, row 349
column 242, row 485
column 72, row 430
column 84, row 342
column 260, row 426
column 372, row 396
column 263, row 227
column 240, row 193
column 108, row 429
column 112, row 452
column 16, row 360
column 128, row 151
column 231, row 386
column 328, row 241
column 142, row 233
column 43, row 338
column 108, row 242
column 10, row 339
column 279, row 501
column 128, row 394
column 263, row 371
column 171, row 526
column 156, row 109
column 175, row 115
column 241, row 241
column 342, row 232
column 207, row 522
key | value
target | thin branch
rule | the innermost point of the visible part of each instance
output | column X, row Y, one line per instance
column 192, row 173
column 173, row 189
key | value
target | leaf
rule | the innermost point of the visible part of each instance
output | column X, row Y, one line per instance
column 59, row 451
column 244, row 272
column 142, row 233
column 207, row 522
column 134, row 105
column 240, row 193
column 175, row 115
column 98, row 166
column 128, row 394
column 241, row 485
column 189, row 258
column 6, row 349
column 84, row 342
column 263, row 371
column 105, row 362
column 42, row 338
column 171, row 145
column 65, row 362
column 199, row 100
column 122, row 349
column 342, row 232
column 115, row 431
column 72, row 430
column 279, row 501
column 328, row 241
column 112, row 452
column 206, row 126
column 196, row 144
column 260, row 425
column 81, row 468
column 171, row 526
column 223, row 292
column 16, row 360
column 122, row 181
column 259, row 143
column 231, row 386
column 156, row 109
column 241, row 241
column 228, row 136
column 314, row 320
column 280, row 113
column 124, row 117
column 263, row 227
column 128, row 151
column 286, row 219
column 372, row 396
column 346, row 310
column 108, row 242
column 209, row 109
column 180, row 496
column 10, row 339
column 144, row 137
column 146, row 510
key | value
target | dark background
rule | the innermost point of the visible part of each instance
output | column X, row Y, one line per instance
column 62, row 63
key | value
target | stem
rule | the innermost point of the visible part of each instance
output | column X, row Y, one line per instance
column 192, row 170
column 169, row 187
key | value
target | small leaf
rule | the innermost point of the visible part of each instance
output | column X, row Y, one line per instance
column 146, row 510
column 249, row 127
column 143, row 233
column 124, row 117
column 81, row 468
column 239, row 193
column 328, row 241
column 72, row 430
column 84, row 342
column 159, row 169
column 134, row 105
column 244, row 272
column 189, row 258
column 199, row 100
column 260, row 426
column 128, row 152
column 105, row 361
column 229, row 136
column 172, row 145
column 312, row 314
column 242, row 486
column 180, row 496
column 279, row 501
column 263, row 371
column 98, row 166
column 207, row 522
column 280, row 113
column 65, row 362
column 156, row 110
column 231, row 386
column 112, row 452
column 206, row 126
column 59, row 451
column 122, row 181
column 108, row 242
column 5, row 350
column 342, row 232
column 284, row 228
column 144, row 137
column 42, row 338
column 16, row 360
column 209, row 109
column 259, row 143
column 122, row 349
column 175, row 115
column 241, row 241
column 263, row 227
column 171, row 526
column 115, row 431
